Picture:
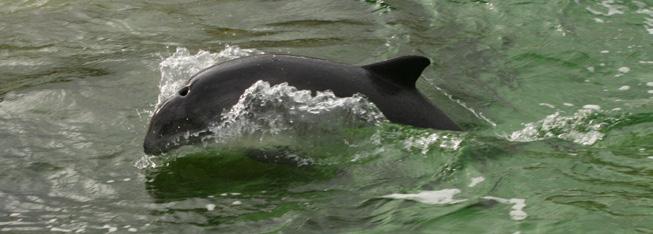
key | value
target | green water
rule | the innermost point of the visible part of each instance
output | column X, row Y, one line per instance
column 556, row 97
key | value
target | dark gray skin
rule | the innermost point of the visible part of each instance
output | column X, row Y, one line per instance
column 390, row 85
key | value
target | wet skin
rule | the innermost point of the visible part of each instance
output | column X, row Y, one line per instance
column 390, row 85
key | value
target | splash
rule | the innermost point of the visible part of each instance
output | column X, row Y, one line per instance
column 425, row 142
column 270, row 110
column 264, row 111
column 181, row 65
column 583, row 127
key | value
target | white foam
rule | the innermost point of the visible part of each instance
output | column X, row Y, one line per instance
column 592, row 107
column 21, row 229
column 580, row 128
column 210, row 207
column 624, row 69
column 236, row 203
column 649, row 84
column 476, row 180
column 517, row 209
column 624, row 88
column 267, row 109
column 548, row 105
column 110, row 228
column 181, row 65
column 439, row 197
column 56, row 229
column 424, row 142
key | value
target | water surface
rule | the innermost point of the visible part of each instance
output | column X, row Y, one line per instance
column 556, row 97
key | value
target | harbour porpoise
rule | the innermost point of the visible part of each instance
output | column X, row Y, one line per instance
column 390, row 85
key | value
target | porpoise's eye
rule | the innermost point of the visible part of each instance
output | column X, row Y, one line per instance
column 184, row 91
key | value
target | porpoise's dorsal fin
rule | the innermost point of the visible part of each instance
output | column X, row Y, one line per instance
column 404, row 70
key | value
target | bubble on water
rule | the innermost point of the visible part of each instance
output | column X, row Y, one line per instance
column 109, row 228
column 517, row 209
column 592, row 107
column 609, row 8
column 476, row 180
column 622, row 71
column 439, row 197
column 425, row 141
column 624, row 88
column 56, row 229
column 210, row 207
column 605, row 51
column 548, row 105
column 642, row 8
column 583, row 127
column 148, row 161
column 236, row 203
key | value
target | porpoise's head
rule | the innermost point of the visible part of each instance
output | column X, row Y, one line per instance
column 185, row 117
column 171, row 124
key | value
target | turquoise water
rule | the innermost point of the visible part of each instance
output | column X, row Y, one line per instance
column 555, row 97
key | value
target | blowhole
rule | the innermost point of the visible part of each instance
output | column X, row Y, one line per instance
column 184, row 91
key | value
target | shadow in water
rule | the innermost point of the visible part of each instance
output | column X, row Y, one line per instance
column 215, row 172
